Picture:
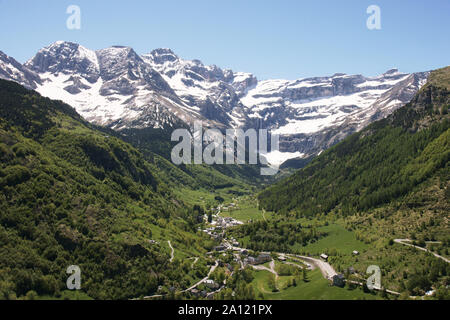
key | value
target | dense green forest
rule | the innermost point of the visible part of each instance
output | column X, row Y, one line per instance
column 157, row 142
column 383, row 162
column 280, row 234
column 71, row 194
column 156, row 146
column 389, row 181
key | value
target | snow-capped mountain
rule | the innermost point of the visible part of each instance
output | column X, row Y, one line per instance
column 10, row 69
column 213, row 92
column 112, row 86
column 314, row 113
column 118, row 88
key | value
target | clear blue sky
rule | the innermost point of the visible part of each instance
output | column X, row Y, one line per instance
column 272, row 39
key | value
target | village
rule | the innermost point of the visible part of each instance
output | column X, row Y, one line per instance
column 229, row 256
column 217, row 223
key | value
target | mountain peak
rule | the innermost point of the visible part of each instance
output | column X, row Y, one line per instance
column 391, row 71
column 65, row 57
column 3, row 55
column 60, row 43
column 11, row 69
column 118, row 52
column 162, row 55
column 116, row 60
column 116, row 85
column 161, row 51
column 59, row 46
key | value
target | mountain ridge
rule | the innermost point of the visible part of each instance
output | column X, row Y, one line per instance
column 424, row 118
column 73, row 194
column 118, row 88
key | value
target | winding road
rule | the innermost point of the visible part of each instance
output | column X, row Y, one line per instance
column 271, row 269
column 172, row 252
column 211, row 270
column 204, row 279
column 404, row 242
column 327, row 270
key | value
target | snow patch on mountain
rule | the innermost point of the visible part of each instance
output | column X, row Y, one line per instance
column 10, row 69
column 313, row 104
column 276, row 157
column 118, row 88
column 89, row 103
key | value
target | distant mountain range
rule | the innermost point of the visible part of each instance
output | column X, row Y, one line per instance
column 120, row 89
column 383, row 162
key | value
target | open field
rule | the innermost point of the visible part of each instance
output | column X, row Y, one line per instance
column 247, row 209
column 338, row 238
column 317, row 288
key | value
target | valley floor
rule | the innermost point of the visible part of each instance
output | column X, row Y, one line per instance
column 345, row 249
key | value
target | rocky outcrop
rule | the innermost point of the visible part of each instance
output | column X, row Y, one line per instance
column 117, row 87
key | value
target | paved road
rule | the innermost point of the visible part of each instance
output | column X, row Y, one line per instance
column 297, row 265
column 327, row 270
column 375, row 288
column 271, row 269
column 405, row 242
column 211, row 270
column 204, row 279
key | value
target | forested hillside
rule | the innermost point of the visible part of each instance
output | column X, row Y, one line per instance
column 390, row 181
column 156, row 146
column 71, row 194
column 380, row 164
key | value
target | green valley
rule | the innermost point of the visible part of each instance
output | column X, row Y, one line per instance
column 140, row 227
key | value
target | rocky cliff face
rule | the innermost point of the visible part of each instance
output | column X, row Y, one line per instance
column 66, row 58
column 112, row 86
column 12, row 70
column 117, row 87
column 314, row 113
column 213, row 92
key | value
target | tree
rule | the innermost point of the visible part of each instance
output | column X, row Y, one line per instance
column 304, row 275
column 31, row 295
column 271, row 283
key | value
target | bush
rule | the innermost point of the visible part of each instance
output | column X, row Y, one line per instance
column 416, row 283
column 15, row 175
column 31, row 295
